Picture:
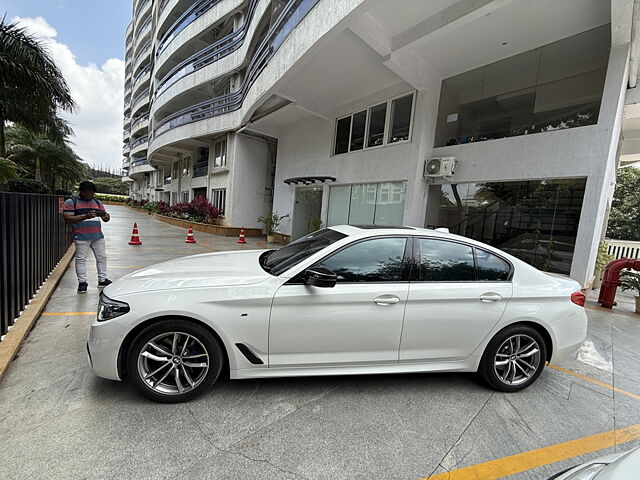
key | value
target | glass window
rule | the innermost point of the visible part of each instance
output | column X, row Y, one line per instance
column 490, row 267
column 400, row 119
column 443, row 261
column 535, row 221
column 342, row 135
column 367, row 204
column 357, row 130
column 363, row 204
column 377, row 117
column 376, row 260
column 220, row 154
column 553, row 87
column 390, row 203
column 218, row 199
column 279, row 261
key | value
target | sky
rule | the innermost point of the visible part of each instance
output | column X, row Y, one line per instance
column 86, row 40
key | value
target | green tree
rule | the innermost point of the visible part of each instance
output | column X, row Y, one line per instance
column 624, row 218
column 114, row 186
column 40, row 158
column 32, row 88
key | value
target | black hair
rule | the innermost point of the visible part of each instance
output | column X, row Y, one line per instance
column 87, row 185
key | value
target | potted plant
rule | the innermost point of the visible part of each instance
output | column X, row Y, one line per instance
column 271, row 224
column 631, row 281
column 602, row 260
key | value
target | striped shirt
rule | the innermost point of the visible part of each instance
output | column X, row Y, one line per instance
column 89, row 229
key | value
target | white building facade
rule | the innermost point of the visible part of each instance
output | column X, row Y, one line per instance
column 326, row 112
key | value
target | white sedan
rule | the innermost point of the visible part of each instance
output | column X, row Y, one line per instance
column 343, row 300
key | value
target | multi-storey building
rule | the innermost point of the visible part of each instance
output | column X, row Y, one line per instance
column 329, row 111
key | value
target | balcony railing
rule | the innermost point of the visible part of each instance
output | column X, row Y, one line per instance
column 163, row 4
column 289, row 18
column 195, row 11
column 139, row 119
column 140, row 7
column 126, row 133
column 142, row 52
column 140, row 141
column 140, row 97
column 144, row 25
column 200, row 170
column 140, row 162
column 127, row 120
column 217, row 50
column 141, row 73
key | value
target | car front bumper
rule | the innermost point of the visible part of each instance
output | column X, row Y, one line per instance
column 103, row 346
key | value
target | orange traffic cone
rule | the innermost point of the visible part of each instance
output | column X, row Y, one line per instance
column 241, row 236
column 190, row 237
column 135, row 240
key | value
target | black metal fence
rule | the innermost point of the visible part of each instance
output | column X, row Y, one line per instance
column 33, row 239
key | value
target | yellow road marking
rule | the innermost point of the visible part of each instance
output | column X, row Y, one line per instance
column 64, row 314
column 522, row 462
column 597, row 382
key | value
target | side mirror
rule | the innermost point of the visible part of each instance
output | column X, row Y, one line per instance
column 320, row 277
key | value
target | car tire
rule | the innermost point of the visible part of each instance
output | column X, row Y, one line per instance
column 169, row 346
column 508, row 358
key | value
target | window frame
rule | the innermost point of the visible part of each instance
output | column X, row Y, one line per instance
column 416, row 259
column 407, row 261
column 387, row 124
column 222, row 194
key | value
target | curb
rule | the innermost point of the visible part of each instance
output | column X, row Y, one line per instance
column 14, row 339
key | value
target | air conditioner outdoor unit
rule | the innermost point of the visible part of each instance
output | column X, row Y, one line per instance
column 439, row 167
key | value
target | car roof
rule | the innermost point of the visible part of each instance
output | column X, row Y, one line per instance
column 369, row 230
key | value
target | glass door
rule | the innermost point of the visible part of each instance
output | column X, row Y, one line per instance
column 307, row 211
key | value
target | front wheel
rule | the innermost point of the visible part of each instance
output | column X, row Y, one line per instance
column 513, row 359
column 174, row 361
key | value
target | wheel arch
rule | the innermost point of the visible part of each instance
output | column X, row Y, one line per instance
column 541, row 329
column 128, row 340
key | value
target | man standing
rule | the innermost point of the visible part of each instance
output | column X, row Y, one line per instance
column 84, row 212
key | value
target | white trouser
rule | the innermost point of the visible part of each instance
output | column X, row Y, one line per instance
column 82, row 250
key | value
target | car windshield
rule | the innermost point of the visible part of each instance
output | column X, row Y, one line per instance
column 279, row 261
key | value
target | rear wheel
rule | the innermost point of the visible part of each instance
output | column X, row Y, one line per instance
column 174, row 361
column 513, row 359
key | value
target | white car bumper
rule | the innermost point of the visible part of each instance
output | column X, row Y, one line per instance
column 103, row 346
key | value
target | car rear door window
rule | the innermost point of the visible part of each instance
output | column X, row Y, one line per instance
column 444, row 261
column 375, row 260
column 491, row 267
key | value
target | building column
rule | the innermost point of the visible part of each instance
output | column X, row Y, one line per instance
column 601, row 182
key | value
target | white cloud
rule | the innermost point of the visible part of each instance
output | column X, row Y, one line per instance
column 98, row 92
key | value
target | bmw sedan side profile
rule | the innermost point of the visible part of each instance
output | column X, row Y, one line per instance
column 342, row 300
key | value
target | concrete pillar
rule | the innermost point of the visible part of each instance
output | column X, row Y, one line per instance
column 600, row 183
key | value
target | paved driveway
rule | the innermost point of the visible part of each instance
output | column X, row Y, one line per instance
column 57, row 420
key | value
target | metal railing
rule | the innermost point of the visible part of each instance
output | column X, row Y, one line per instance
column 142, row 96
column 189, row 15
column 33, row 239
column 146, row 69
column 211, row 53
column 200, row 170
column 141, row 161
column 140, row 141
column 622, row 248
column 139, row 119
column 288, row 19
column 143, row 50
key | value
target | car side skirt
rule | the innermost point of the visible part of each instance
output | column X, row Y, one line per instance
column 469, row 364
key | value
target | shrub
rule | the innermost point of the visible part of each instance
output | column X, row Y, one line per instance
column 112, row 198
column 25, row 185
column 63, row 192
column 111, row 186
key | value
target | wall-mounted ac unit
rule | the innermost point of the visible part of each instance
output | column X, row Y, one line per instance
column 439, row 167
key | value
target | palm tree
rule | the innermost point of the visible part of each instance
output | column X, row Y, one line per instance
column 32, row 87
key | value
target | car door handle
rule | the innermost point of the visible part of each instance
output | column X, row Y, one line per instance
column 490, row 297
column 386, row 300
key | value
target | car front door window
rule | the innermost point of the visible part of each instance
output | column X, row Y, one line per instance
column 376, row 260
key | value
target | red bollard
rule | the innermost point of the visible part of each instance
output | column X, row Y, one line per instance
column 611, row 280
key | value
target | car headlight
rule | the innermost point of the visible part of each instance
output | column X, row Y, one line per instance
column 587, row 473
column 109, row 308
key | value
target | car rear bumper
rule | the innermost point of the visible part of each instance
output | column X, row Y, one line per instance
column 570, row 334
column 103, row 346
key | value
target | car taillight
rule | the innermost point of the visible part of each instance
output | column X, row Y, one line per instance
column 578, row 298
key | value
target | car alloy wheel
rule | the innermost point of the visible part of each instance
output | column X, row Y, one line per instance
column 517, row 359
column 173, row 363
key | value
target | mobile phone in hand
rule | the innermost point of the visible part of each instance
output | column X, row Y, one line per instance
column 100, row 213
